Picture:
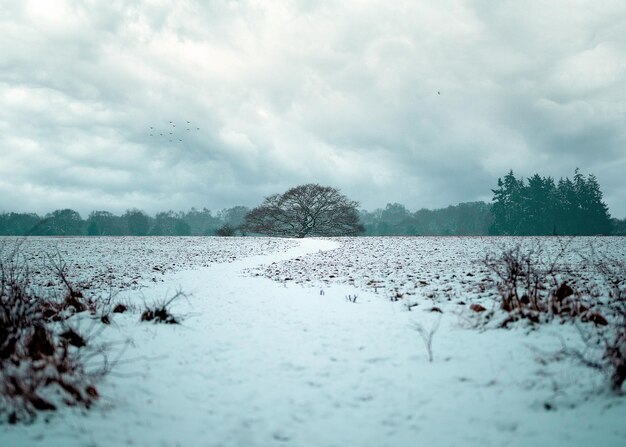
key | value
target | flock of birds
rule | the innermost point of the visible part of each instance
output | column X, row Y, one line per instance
column 172, row 137
column 170, row 133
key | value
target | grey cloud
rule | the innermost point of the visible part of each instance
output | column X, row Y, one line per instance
column 342, row 93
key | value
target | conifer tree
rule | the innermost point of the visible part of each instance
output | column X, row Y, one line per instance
column 539, row 207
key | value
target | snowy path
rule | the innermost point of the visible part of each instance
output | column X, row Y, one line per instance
column 258, row 363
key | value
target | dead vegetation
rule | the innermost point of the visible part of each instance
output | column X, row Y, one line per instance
column 427, row 336
column 590, row 294
column 160, row 312
column 45, row 360
column 537, row 290
column 51, row 350
column 351, row 298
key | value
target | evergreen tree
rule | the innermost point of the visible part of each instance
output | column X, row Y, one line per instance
column 567, row 209
column 539, row 207
column 595, row 211
column 507, row 205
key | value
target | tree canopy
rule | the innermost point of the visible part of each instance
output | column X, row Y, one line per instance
column 306, row 210
column 539, row 206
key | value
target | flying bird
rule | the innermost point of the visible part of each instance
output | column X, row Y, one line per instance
column 439, row 93
column 188, row 122
column 198, row 128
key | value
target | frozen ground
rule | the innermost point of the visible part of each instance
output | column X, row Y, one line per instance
column 262, row 362
column 438, row 268
column 130, row 262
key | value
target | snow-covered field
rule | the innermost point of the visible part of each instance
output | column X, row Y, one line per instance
column 130, row 262
column 439, row 268
column 271, row 352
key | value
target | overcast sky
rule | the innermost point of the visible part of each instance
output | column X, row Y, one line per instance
column 425, row 103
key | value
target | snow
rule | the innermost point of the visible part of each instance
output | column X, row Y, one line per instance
column 286, row 360
column 130, row 262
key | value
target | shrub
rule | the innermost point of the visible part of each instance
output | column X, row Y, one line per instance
column 42, row 357
column 159, row 312
column 537, row 291
column 532, row 289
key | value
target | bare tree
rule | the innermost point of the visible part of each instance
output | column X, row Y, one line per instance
column 306, row 210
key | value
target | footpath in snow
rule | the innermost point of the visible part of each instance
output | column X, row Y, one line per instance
column 257, row 362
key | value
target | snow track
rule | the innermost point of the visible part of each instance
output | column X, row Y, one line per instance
column 257, row 362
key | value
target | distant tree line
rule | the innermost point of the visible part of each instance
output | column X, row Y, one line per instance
column 541, row 206
column 534, row 206
column 619, row 227
column 133, row 222
column 464, row 219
